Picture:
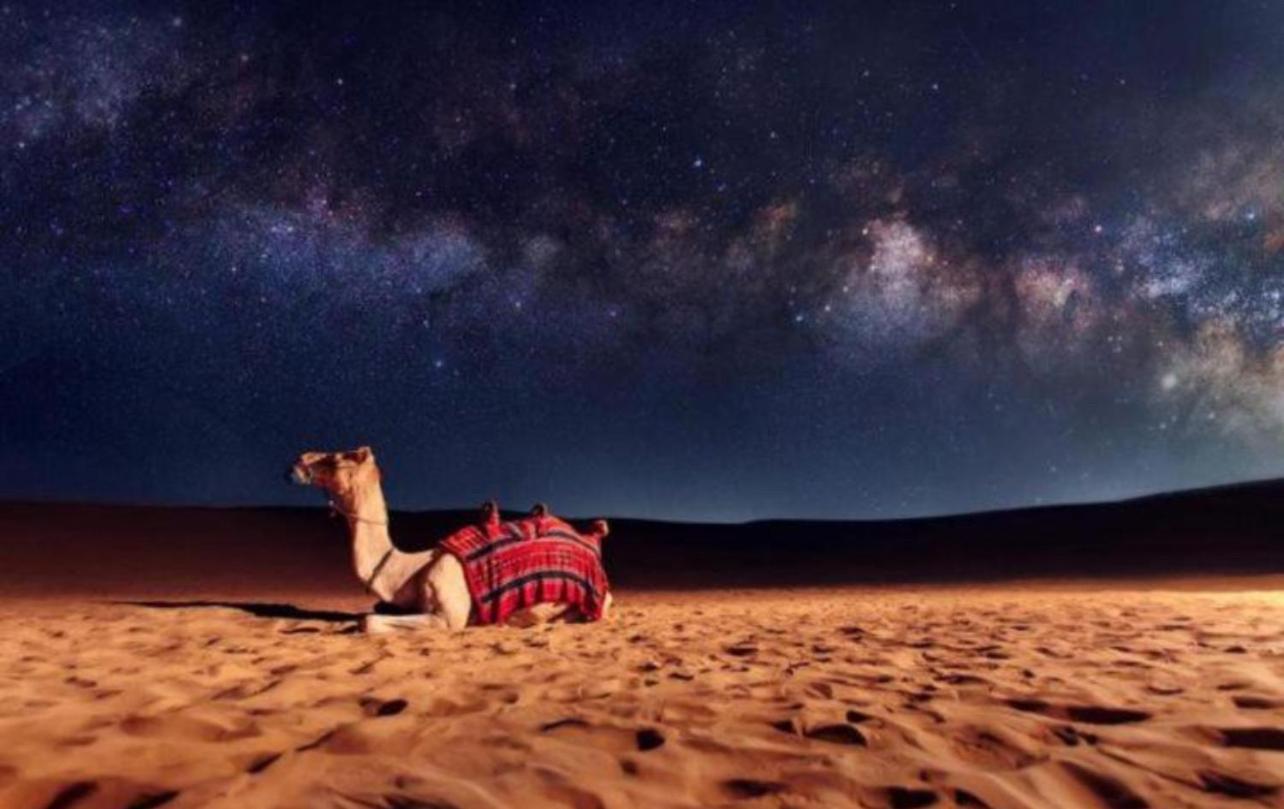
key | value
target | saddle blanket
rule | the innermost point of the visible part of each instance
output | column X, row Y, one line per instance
column 514, row 565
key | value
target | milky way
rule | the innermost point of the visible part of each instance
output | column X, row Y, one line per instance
column 710, row 260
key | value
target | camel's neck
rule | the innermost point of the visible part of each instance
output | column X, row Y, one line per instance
column 372, row 548
column 378, row 564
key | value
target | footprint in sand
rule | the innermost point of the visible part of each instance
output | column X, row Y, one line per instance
column 1259, row 738
column 1251, row 703
column 649, row 739
column 749, row 788
column 110, row 792
column 1090, row 714
column 375, row 707
column 1164, row 689
column 261, row 762
column 1222, row 784
column 1071, row 736
column 621, row 740
column 1100, row 715
column 899, row 798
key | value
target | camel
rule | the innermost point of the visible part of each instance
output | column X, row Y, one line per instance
column 428, row 584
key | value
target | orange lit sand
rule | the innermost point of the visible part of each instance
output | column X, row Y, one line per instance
column 1001, row 696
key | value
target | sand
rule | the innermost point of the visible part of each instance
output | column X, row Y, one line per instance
column 1004, row 696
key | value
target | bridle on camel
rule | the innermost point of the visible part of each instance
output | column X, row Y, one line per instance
column 336, row 510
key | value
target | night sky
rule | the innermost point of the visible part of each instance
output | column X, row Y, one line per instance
column 690, row 260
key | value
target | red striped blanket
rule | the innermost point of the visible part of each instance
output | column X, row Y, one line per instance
column 513, row 565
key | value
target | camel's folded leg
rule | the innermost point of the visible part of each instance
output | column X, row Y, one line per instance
column 375, row 624
column 536, row 614
column 553, row 613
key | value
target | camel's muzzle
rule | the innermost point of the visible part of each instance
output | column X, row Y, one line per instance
column 298, row 475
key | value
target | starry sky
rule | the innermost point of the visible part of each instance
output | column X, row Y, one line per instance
column 715, row 260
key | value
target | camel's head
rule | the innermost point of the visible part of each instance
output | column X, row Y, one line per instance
column 334, row 471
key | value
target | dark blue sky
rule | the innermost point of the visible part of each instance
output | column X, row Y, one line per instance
column 710, row 260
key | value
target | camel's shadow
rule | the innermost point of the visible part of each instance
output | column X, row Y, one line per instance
column 256, row 608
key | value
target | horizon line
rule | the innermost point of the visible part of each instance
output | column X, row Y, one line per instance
column 1145, row 495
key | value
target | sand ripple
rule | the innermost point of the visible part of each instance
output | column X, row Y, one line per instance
column 999, row 698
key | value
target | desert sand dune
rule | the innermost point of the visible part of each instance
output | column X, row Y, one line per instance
column 995, row 697
column 176, row 658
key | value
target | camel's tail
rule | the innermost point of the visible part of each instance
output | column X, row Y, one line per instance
column 601, row 529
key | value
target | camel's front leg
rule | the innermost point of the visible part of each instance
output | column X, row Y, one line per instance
column 446, row 590
column 440, row 595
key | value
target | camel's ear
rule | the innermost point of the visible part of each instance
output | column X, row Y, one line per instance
column 360, row 455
